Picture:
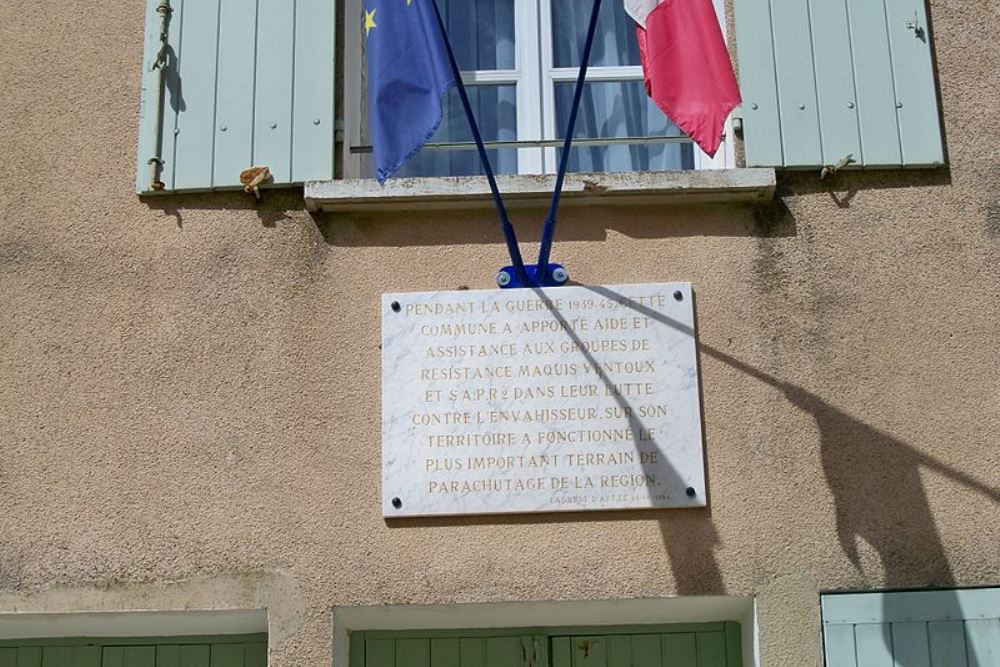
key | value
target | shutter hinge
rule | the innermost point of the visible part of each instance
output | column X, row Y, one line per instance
column 831, row 170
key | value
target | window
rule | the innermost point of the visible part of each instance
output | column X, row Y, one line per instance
column 520, row 61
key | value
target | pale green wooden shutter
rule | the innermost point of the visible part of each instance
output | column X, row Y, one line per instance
column 248, row 83
column 822, row 79
column 953, row 628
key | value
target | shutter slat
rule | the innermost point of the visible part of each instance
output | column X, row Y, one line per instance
column 272, row 142
column 589, row 651
column 380, row 653
column 221, row 655
column 796, row 83
column 113, row 656
column 413, row 653
column 838, row 646
column 140, row 656
column 909, row 645
column 983, row 642
column 473, row 651
column 196, row 105
column 838, row 114
column 88, row 656
column 313, row 122
column 503, row 652
column 761, row 129
column 173, row 94
column 620, row 651
column 255, row 654
column 235, row 92
column 873, row 74
column 919, row 124
column 58, row 656
column 30, row 656
column 734, row 644
column 446, row 652
column 711, row 649
column 874, row 644
column 200, row 655
column 681, row 648
column 562, row 652
column 168, row 655
column 147, row 110
column 646, row 651
column 947, row 643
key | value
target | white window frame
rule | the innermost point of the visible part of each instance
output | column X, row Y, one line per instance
column 533, row 39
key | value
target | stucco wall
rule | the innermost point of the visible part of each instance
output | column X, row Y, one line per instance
column 190, row 385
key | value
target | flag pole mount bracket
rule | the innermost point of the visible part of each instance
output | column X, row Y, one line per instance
column 555, row 276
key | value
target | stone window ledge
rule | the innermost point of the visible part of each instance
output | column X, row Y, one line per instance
column 465, row 192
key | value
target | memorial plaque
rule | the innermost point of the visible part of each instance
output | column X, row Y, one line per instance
column 545, row 400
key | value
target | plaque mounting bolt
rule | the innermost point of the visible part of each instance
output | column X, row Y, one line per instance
column 560, row 275
column 678, row 295
column 691, row 493
column 503, row 279
column 395, row 306
column 397, row 503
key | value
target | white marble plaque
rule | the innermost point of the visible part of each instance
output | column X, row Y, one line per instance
column 550, row 400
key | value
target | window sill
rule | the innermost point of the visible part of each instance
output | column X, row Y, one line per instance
column 668, row 187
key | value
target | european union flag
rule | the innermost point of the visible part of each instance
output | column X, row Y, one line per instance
column 408, row 75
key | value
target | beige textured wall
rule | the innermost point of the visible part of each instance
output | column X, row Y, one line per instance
column 190, row 393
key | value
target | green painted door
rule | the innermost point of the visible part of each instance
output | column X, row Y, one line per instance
column 700, row 645
column 234, row 651
column 705, row 648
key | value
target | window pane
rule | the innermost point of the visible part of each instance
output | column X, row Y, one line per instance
column 496, row 113
column 615, row 43
column 620, row 109
column 481, row 32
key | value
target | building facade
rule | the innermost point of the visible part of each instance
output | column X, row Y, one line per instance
column 190, row 404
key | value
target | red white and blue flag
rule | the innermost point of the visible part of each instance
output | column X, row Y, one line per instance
column 686, row 66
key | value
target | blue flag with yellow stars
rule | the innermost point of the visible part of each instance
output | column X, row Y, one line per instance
column 408, row 75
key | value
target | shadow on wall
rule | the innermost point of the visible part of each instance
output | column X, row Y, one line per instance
column 873, row 477
column 580, row 222
column 844, row 186
column 689, row 536
column 277, row 204
column 583, row 222
column 875, row 482
column 878, row 497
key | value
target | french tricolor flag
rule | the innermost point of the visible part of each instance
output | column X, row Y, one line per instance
column 686, row 66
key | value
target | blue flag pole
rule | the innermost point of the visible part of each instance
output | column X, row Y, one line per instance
column 508, row 229
column 549, row 231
